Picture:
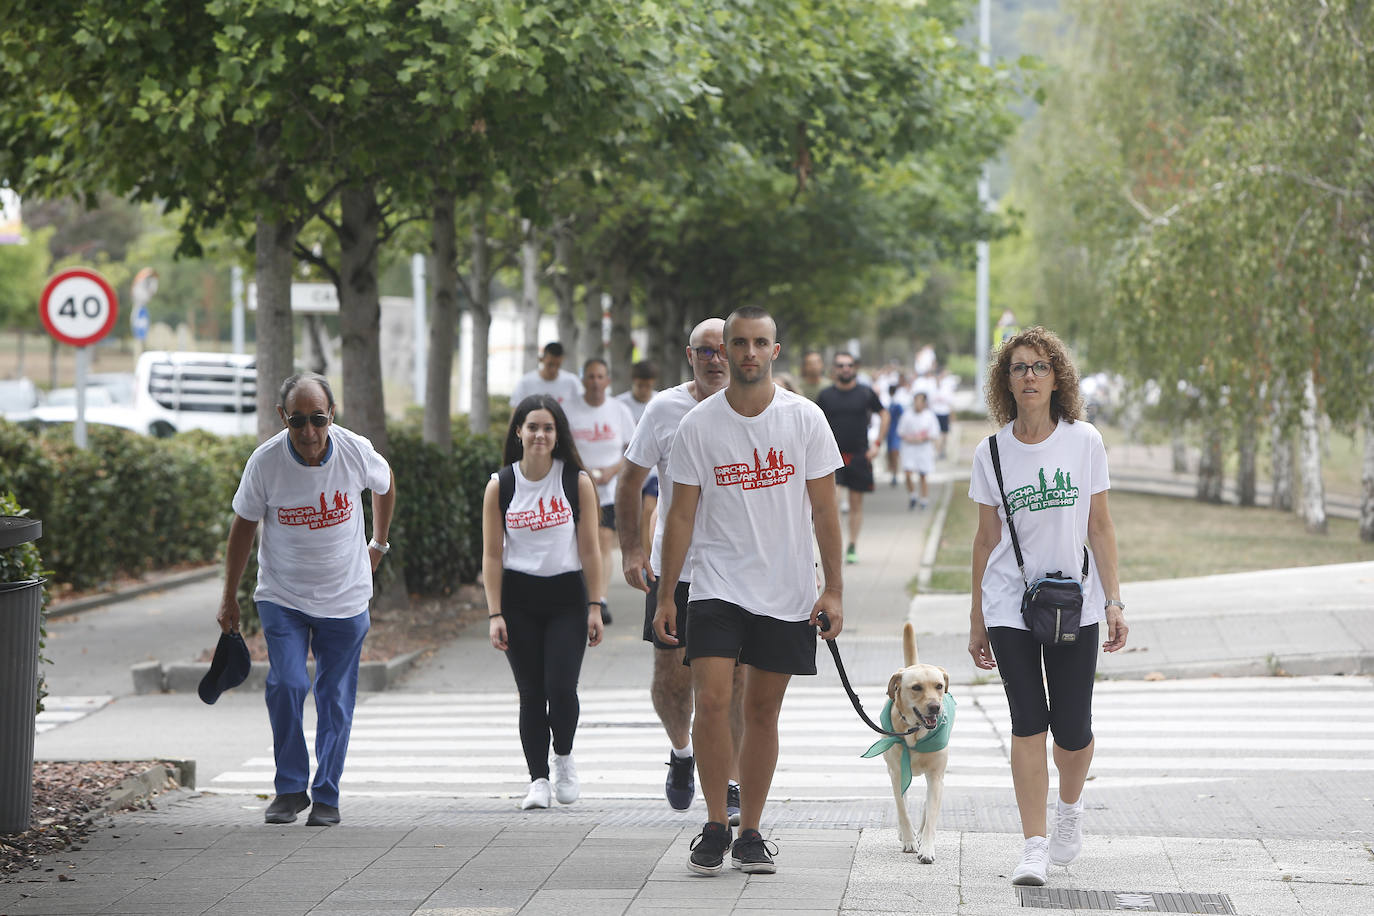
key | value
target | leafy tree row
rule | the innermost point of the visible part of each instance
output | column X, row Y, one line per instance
column 680, row 158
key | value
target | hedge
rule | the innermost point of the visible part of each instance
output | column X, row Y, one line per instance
column 129, row 504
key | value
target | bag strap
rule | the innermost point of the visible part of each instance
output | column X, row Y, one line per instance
column 1006, row 507
column 505, row 479
column 572, row 488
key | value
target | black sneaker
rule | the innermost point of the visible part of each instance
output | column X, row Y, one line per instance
column 752, row 854
column 732, row 803
column 286, row 806
column 681, row 785
column 708, row 849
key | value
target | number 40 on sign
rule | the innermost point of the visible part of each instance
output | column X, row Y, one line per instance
column 78, row 307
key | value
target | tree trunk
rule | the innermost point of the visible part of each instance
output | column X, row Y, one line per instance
column 1312, row 509
column 593, row 347
column 443, row 323
column 360, row 314
column 563, row 293
column 622, row 312
column 1245, row 475
column 529, row 296
column 317, row 362
column 479, row 293
column 1209, row 465
column 273, row 261
column 1367, row 477
column 1179, row 452
column 663, row 344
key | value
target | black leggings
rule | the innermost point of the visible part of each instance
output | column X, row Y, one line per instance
column 1068, row 671
column 546, row 635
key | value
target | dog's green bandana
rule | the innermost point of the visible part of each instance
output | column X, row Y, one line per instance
column 935, row 740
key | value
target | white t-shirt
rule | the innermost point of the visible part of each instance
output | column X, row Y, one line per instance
column 651, row 447
column 635, row 406
column 751, row 544
column 942, row 395
column 601, row 434
column 918, row 456
column 541, row 533
column 312, row 553
column 564, row 389
column 1050, row 487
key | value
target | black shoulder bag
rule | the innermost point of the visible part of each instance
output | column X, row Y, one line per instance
column 1051, row 606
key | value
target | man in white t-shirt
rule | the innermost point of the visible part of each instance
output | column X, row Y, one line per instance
column 643, row 376
column 304, row 486
column 550, row 378
column 651, row 448
column 601, row 427
column 753, row 468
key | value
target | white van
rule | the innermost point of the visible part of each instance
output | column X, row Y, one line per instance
column 176, row 391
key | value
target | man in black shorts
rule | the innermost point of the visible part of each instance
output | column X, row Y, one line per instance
column 849, row 406
column 752, row 469
column 651, row 447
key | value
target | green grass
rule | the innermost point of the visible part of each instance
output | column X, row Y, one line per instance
column 1160, row 537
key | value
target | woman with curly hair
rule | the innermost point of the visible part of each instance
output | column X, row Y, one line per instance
column 1054, row 469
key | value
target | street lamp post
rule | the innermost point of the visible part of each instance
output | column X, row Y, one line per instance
column 981, row 332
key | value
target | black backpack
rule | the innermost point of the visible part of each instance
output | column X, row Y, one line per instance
column 506, row 479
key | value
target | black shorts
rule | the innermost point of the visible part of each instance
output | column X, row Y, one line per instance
column 608, row 516
column 857, row 473
column 724, row 630
column 944, row 421
column 651, row 608
column 650, row 487
column 1027, row 668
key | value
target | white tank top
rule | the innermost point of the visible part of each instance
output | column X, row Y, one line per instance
column 541, row 538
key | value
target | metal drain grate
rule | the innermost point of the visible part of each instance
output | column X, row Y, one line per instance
column 1053, row 898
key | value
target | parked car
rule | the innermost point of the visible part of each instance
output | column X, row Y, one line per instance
column 18, row 398
column 176, row 391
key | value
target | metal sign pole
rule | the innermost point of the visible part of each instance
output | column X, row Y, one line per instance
column 83, row 358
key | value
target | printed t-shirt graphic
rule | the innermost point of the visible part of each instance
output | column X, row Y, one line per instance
column 651, row 447
column 309, row 513
column 751, row 544
column 601, row 434
column 541, row 537
column 1050, row 486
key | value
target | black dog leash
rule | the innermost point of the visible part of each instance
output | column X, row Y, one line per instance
column 824, row 619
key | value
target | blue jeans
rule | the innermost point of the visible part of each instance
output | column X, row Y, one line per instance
column 337, row 644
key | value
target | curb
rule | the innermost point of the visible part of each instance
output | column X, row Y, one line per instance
column 169, row 774
column 185, row 677
column 1347, row 664
column 77, row 605
column 933, row 535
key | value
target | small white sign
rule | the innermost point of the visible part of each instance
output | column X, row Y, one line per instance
column 305, row 297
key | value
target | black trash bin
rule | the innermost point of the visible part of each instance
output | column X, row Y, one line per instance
column 21, row 609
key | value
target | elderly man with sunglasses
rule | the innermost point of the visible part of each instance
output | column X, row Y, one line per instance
column 304, row 485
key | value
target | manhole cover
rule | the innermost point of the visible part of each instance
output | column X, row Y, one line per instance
column 1054, row 898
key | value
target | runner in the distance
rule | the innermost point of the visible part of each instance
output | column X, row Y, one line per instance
column 651, row 447
column 850, row 405
column 753, row 467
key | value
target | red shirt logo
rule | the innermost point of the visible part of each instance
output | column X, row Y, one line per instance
column 323, row 517
column 599, row 432
column 768, row 473
column 556, row 514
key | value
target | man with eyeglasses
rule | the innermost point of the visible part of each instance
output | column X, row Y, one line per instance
column 850, row 406
column 304, row 486
column 651, row 447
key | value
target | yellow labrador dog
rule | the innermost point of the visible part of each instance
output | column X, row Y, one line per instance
column 919, row 696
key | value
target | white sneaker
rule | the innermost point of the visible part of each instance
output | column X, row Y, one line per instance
column 565, row 784
column 1066, row 839
column 539, row 795
column 1034, row 863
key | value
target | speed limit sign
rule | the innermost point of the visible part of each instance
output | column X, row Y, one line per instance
column 78, row 307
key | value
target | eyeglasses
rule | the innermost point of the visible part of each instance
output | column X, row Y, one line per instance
column 1039, row 367
column 298, row 420
column 709, row 353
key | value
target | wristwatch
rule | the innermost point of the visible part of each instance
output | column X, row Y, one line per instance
column 1116, row 601
column 600, row 604
column 380, row 548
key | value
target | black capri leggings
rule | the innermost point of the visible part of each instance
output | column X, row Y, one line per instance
column 1067, row 670
column 546, row 635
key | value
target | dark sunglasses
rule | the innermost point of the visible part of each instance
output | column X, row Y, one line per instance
column 298, row 420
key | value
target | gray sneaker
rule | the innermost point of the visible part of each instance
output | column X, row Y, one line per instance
column 752, row 854
column 708, row 849
column 732, row 803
